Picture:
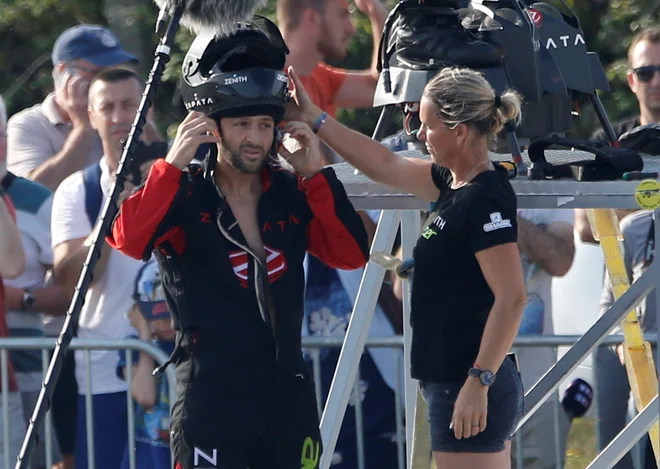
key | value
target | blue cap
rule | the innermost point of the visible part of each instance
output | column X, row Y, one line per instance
column 149, row 293
column 93, row 43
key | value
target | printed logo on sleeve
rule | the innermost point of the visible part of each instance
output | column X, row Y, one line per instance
column 496, row 223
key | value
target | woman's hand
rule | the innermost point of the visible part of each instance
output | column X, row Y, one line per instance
column 470, row 409
column 302, row 108
column 304, row 150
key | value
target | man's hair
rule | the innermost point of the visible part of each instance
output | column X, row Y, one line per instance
column 289, row 12
column 3, row 114
column 115, row 75
column 651, row 35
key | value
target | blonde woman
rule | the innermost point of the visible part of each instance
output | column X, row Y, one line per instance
column 468, row 291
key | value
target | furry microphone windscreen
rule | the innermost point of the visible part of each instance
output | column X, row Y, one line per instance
column 219, row 17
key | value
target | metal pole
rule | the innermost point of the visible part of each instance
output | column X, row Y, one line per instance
column 410, row 227
column 379, row 130
column 602, row 118
column 625, row 440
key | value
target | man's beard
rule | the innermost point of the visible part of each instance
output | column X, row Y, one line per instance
column 328, row 50
column 233, row 157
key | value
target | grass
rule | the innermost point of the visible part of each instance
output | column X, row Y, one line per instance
column 581, row 445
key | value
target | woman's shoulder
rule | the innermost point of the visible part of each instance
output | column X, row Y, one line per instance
column 495, row 185
column 442, row 177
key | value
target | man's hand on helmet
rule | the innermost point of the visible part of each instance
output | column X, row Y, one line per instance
column 301, row 149
column 195, row 130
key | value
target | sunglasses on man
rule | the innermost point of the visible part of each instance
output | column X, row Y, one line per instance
column 645, row 74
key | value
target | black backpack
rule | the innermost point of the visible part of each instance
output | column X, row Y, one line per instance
column 427, row 35
column 644, row 139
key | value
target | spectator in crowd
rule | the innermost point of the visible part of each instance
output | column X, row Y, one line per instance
column 12, row 255
column 27, row 296
column 326, row 26
column 613, row 394
column 55, row 138
column 113, row 101
column 150, row 318
column 644, row 81
column 12, row 264
column 547, row 248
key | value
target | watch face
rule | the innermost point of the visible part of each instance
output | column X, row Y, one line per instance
column 28, row 299
column 487, row 378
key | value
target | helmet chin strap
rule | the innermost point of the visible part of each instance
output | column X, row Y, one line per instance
column 277, row 140
column 211, row 159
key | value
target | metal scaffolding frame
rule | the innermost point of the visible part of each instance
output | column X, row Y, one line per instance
column 403, row 210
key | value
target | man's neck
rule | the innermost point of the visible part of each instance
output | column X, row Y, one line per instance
column 302, row 57
column 60, row 110
column 235, row 184
column 647, row 117
column 112, row 161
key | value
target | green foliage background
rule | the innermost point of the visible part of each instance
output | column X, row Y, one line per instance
column 28, row 29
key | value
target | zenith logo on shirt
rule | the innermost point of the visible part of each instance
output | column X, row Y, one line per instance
column 496, row 223
column 429, row 231
column 439, row 222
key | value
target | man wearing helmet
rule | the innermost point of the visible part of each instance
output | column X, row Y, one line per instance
column 230, row 236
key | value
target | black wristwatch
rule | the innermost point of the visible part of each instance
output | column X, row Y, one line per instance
column 28, row 300
column 486, row 378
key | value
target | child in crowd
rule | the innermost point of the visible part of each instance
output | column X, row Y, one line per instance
column 151, row 320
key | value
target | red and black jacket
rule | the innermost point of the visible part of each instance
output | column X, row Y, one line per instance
column 215, row 286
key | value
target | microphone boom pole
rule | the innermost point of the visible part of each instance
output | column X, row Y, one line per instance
column 108, row 213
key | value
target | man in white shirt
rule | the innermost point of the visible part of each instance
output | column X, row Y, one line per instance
column 113, row 101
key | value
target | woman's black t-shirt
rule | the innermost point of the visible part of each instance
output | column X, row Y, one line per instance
column 450, row 299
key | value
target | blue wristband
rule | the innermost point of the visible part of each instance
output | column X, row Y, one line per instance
column 319, row 122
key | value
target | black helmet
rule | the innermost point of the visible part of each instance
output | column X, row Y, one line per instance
column 237, row 75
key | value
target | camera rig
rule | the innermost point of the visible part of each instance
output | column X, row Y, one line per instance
column 537, row 49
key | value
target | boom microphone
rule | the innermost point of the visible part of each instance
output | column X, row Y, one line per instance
column 218, row 17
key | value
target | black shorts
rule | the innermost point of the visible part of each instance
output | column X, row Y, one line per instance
column 239, row 425
column 505, row 409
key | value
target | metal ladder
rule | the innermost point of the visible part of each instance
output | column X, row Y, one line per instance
column 638, row 353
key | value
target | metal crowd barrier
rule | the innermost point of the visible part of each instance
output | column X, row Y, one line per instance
column 312, row 345
column 47, row 344
column 315, row 344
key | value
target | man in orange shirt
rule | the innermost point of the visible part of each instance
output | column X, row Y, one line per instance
column 319, row 30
